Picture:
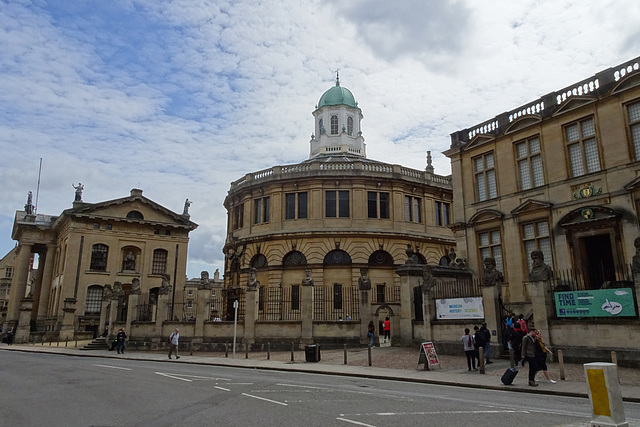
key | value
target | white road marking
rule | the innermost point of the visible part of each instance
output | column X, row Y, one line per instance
column 354, row 422
column 262, row 398
column 112, row 367
column 174, row 377
column 221, row 388
column 392, row 414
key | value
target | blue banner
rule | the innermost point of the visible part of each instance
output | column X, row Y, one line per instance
column 596, row 303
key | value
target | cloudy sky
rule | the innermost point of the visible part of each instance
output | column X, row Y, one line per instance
column 181, row 97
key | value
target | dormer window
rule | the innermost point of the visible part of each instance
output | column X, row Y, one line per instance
column 350, row 126
column 334, row 125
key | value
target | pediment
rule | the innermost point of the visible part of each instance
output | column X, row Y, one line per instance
column 633, row 185
column 588, row 214
column 531, row 205
column 485, row 215
column 628, row 82
column 522, row 123
column 573, row 103
column 479, row 140
column 125, row 209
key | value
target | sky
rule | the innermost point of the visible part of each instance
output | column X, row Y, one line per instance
column 181, row 97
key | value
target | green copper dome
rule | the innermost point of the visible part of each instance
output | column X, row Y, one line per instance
column 337, row 95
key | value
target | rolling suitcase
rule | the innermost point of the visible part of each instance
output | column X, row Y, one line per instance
column 509, row 376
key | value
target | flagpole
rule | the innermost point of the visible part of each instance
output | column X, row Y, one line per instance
column 38, row 188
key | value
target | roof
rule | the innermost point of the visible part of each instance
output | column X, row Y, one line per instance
column 337, row 95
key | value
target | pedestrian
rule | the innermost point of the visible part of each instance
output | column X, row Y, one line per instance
column 348, row 317
column 529, row 344
column 120, row 338
column 479, row 342
column 371, row 332
column 387, row 329
column 541, row 356
column 469, row 350
column 173, row 343
column 487, row 345
column 516, row 343
column 10, row 336
column 523, row 324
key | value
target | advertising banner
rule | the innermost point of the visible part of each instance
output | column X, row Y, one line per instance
column 595, row 303
column 459, row 308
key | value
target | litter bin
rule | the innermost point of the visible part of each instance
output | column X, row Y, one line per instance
column 312, row 353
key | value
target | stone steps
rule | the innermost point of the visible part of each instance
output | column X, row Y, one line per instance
column 99, row 343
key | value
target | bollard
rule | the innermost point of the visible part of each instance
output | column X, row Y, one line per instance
column 226, row 349
column 246, row 350
column 614, row 360
column 317, row 352
column 345, row 353
column 481, row 359
column 605, row 395
column 76, row 342
column 190, row 348
column 511, row 358
column 561, row 364
column 292, row 350
column 50, row 341
column 66, row 342
column 58, row 343
column 268, row 351
column 369, row 354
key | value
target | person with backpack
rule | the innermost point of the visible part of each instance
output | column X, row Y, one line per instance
column 487, row 345
column 479, row 342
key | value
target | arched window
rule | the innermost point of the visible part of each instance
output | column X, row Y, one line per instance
column 334, row 125
column 93, row 303
column 381, row 258
column 294, row 258
column 337, row 257
column 99, row 253
column 159, row 264
column 350, row 126
column 259, row 261
column 135, row 215
column 321, row 126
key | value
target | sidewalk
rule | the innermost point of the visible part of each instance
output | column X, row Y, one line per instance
column 332, row 363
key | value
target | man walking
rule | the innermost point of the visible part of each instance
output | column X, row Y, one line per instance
column 173, row 343
column 120, row 338
column 487, row 344
column 529, row 355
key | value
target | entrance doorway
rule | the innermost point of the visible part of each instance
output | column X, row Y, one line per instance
column 597, row 260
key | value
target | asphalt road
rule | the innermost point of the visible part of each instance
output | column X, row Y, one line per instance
column 53, row 390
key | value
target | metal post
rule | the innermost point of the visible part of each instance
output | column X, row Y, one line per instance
column 246, row 350
column 268, row 351
column 511, row 358
column 226, row 349
column 481, row 359
column 190, row 348
column 292, row 346
column 345, row 353
column 235, row 326
column 369, row 354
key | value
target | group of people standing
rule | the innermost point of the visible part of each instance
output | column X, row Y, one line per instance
column 481, row 339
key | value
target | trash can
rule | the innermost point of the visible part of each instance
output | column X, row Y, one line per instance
column 312, row 353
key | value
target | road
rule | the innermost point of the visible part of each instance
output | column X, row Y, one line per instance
column 54, row 390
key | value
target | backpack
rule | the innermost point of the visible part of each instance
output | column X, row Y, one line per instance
column 169, row 339
column 480, row 339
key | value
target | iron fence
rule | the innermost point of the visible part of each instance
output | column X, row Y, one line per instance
column 461, row 287
column 221, row 305
column 278, row 303
column 385, row 294
column 337, row 303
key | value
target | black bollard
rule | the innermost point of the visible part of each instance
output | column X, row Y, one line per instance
column 292, row 348
column 268, row 351
column 345, row 353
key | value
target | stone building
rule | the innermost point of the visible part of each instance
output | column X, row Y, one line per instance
column 559, row 174
column 131, row 244
column 333, row 220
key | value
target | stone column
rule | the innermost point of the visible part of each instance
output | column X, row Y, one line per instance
column 113, row 312
column 541, row 306
column 23, row 330
column 132, row 311
column 365, row 315
column 104, row 314
column 163, row 303
column 67, row 331
column 410, row 277
column 306, row 312
column 18, row 284
column 45, row 285
column 202, row 313
column 491, row 304
column 250, row 315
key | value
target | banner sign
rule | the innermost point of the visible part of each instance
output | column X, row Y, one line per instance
column 595, row 303
column 428, row 355
column 459, row 308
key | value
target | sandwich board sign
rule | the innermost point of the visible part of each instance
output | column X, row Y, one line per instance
column 428, row 356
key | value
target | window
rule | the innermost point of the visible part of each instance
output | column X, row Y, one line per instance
column 321, row 126
column 634, row 127
column 490, row 246
column 99, row 254
column 535, row 236
column 582, row 147
column 135, row 215
column 96, row 225
column 8, row 272
column 238, row 216
column 412, row 209
column 261, row 210
column 378, row 204
column 350, row 126
column 380, row 294
column 442, row 213
column 295, row 210
column 109, row 227
column 190, row 293
column 334, row 125
column 295, row 297
column 485, row 177
column 93, row 304
column 159, row 264
column 337, row 204
column 529, row 163
column 337, row 296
